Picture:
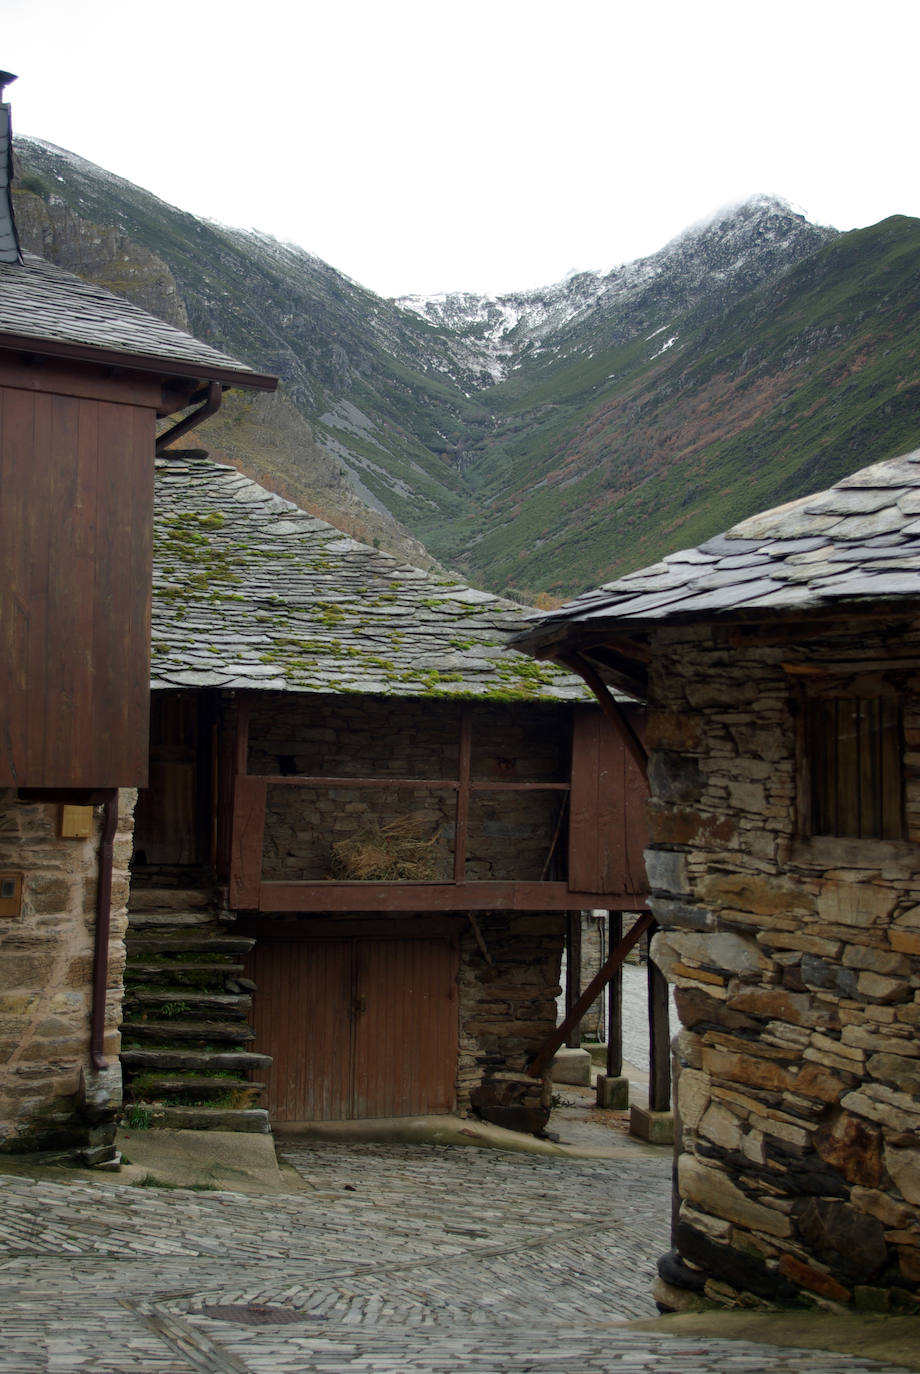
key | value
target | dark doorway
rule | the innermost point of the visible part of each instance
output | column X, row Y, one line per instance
column 174, row 817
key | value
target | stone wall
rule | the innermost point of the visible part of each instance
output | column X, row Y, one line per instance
column 507, row 1011
column 509, row 834
column 50, row 1097
column 797, row 966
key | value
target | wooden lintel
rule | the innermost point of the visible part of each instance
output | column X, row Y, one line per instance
column 327, row 925
column 617, row 956
column 432, row 784
column 467, row 896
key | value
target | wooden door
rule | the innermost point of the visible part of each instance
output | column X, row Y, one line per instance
column 172, row 817
column 357, row 1029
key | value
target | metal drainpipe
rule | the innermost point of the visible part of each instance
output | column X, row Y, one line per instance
column 103, row 924
column 212, row 404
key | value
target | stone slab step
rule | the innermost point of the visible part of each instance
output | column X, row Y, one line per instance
column 155, row 1084
column 232, row 1002
column 182, row 919
column 191, row 943
column 169, row 898
column 251, row 1119
column 236, row 1061
column 179, row 969
column 165, row 1032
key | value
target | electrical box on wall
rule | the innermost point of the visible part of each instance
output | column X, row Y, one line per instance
column 10, row 894
column 76, row 822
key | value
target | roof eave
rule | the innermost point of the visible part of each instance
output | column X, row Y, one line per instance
column 137, row 362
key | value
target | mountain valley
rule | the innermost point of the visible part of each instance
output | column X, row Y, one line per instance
column 544, row 441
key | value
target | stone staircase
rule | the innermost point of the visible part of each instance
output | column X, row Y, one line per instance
column 185, row 1032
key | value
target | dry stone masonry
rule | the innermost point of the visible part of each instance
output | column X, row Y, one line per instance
column 50, row 1096
column 797, row 967
column 779, row 662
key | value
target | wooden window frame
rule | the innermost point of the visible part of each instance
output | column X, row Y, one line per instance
column 864, row 768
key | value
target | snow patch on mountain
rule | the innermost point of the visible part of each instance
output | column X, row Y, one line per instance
column 489, row 335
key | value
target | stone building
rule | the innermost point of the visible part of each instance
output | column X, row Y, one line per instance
column 350, row 769
column 779, row 662
column 84, row 379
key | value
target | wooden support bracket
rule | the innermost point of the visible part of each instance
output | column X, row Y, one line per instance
column 617, row 956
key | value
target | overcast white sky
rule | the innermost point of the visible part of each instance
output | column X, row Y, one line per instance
column 486, row 145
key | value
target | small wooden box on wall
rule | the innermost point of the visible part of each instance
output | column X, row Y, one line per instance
column 10, row 894
column 76, row 822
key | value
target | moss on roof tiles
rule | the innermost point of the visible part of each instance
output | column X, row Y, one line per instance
column 305, row 610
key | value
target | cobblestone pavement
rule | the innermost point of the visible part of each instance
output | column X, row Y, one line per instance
column 398, row 1260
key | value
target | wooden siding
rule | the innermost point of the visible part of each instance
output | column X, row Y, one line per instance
column 357, row 1028
column 76, row 524
column 608, row 830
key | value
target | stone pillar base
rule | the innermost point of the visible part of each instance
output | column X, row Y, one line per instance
column 571, row 1066
column 612, row 1093
column 655, row 1127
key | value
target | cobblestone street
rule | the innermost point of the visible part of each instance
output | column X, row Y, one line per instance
column 410, row 1259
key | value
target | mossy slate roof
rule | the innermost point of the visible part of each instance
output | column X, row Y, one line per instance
column 251, row 592
column 61, row 313
column 851, row 547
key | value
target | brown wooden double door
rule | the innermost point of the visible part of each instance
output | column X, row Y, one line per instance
column 357, row 1028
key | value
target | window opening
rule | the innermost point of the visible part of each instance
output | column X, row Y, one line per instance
column 853, row 751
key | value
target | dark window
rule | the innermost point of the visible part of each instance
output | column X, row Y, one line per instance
column 853, row 756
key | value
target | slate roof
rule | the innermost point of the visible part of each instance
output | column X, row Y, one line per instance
column 43, row 304
column 851, row 546
column 252, row 592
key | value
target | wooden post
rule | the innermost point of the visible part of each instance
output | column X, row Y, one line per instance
column 659, row 1028
column 573, row 974
column 463, row 794
column 614, row 960
column 615, row 1001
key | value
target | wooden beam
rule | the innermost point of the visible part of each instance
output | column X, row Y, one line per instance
column 463, row 795
column 614, row 960
column 466, row 896
column 615, row 1002
column 246, row 842
column 573, row 975
column 432, row 784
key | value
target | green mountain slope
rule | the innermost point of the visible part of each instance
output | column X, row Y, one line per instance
column 807, row 378
column 544, row 441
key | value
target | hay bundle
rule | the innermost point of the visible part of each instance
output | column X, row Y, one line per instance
column 385, row 853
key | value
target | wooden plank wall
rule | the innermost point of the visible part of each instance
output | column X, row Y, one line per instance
column 76, row 529
column 608, row 829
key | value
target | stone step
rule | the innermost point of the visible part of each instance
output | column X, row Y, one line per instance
column 251, row 1119
column 164, row 1032
column 185, row 972
column 236, row 1061
column 155, row 1085
column 169, row 898
column 188, row 942
column 181, row 919
column 183, row 1000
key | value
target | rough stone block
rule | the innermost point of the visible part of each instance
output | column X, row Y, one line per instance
column 904, row 1168
column 572, row 1066
column 713, row 1191
column 612, row 1093
column 655, row 1127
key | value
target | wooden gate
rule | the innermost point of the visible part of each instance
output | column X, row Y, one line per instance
column 357, row 1028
